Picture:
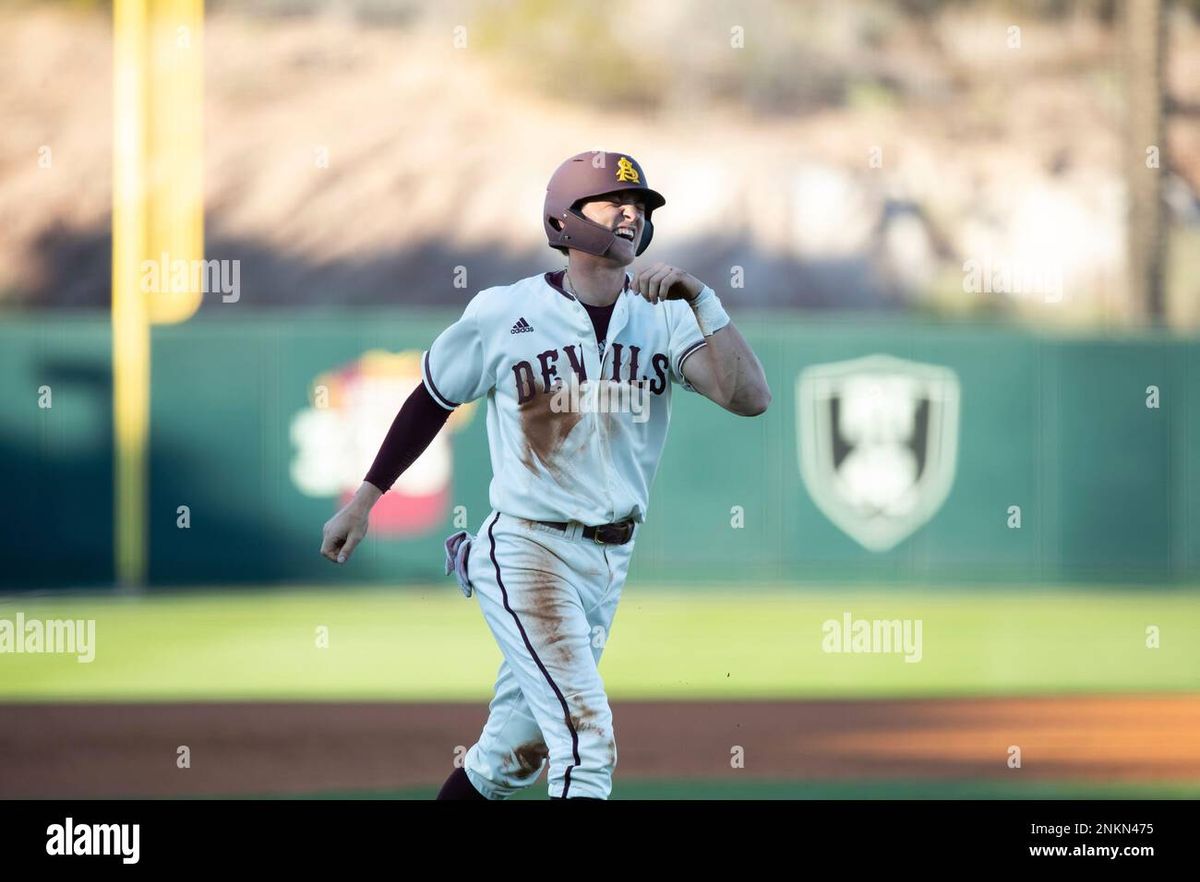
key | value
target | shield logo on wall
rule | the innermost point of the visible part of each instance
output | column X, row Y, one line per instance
column 878, row 444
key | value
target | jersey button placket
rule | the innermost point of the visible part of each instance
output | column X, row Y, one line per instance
column 616, row 324
column 595, row 357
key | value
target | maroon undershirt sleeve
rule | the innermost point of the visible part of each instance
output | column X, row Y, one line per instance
column 419, row 420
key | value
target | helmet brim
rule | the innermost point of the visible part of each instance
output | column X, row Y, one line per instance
column 653, row 199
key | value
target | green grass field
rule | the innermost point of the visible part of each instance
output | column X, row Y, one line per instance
column 431, row 644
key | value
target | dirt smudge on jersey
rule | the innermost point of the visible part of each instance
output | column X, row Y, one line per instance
column 547, row 630
column 545, row 432
column 586, row 719
column 528, row 758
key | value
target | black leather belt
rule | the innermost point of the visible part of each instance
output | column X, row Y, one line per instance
column 616, row 533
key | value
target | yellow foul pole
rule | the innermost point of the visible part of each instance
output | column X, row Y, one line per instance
column 131, row 333
column 157, row 225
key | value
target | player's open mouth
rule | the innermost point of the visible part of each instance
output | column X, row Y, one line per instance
column 625, row 233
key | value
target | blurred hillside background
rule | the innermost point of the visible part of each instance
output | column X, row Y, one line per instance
column 846, row 155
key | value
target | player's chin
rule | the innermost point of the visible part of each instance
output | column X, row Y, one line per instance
column 622, row 251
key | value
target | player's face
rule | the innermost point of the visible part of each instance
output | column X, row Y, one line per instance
column 619, row 211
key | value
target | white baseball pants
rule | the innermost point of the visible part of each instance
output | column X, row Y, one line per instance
column 549, row 597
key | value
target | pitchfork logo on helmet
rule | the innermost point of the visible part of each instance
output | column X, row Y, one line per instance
column 626, row 171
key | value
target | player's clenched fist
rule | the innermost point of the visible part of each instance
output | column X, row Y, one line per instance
column 343, row 532
column 661, row 281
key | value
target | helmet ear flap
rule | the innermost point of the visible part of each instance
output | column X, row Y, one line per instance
column 647, row 235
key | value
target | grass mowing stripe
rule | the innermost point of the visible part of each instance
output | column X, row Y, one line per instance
column 430, row 644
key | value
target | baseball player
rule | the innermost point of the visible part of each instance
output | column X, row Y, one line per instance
column 578, row 368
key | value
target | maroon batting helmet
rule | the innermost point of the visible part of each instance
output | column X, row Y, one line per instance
column 588, row 176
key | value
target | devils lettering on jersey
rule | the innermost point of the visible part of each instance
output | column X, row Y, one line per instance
column 577, row 366
column 526, row 388
column 659, row 383
column 550, row 377
column 524, row 372
column 616, row 371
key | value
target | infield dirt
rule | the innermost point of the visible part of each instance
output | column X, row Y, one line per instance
column 119, row 750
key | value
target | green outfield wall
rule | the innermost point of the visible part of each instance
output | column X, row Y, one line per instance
column 893, row 451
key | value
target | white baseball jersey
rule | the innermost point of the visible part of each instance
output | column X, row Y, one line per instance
column 575, row 433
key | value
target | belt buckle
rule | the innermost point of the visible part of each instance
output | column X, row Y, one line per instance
column 619, row 533
column 596, row 537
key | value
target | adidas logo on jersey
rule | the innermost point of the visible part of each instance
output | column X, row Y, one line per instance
column 521, row 327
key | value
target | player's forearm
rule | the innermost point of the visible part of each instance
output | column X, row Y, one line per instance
column 738, row 372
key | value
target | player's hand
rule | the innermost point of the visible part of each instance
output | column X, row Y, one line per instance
column 661, row 281
column 343, row 532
